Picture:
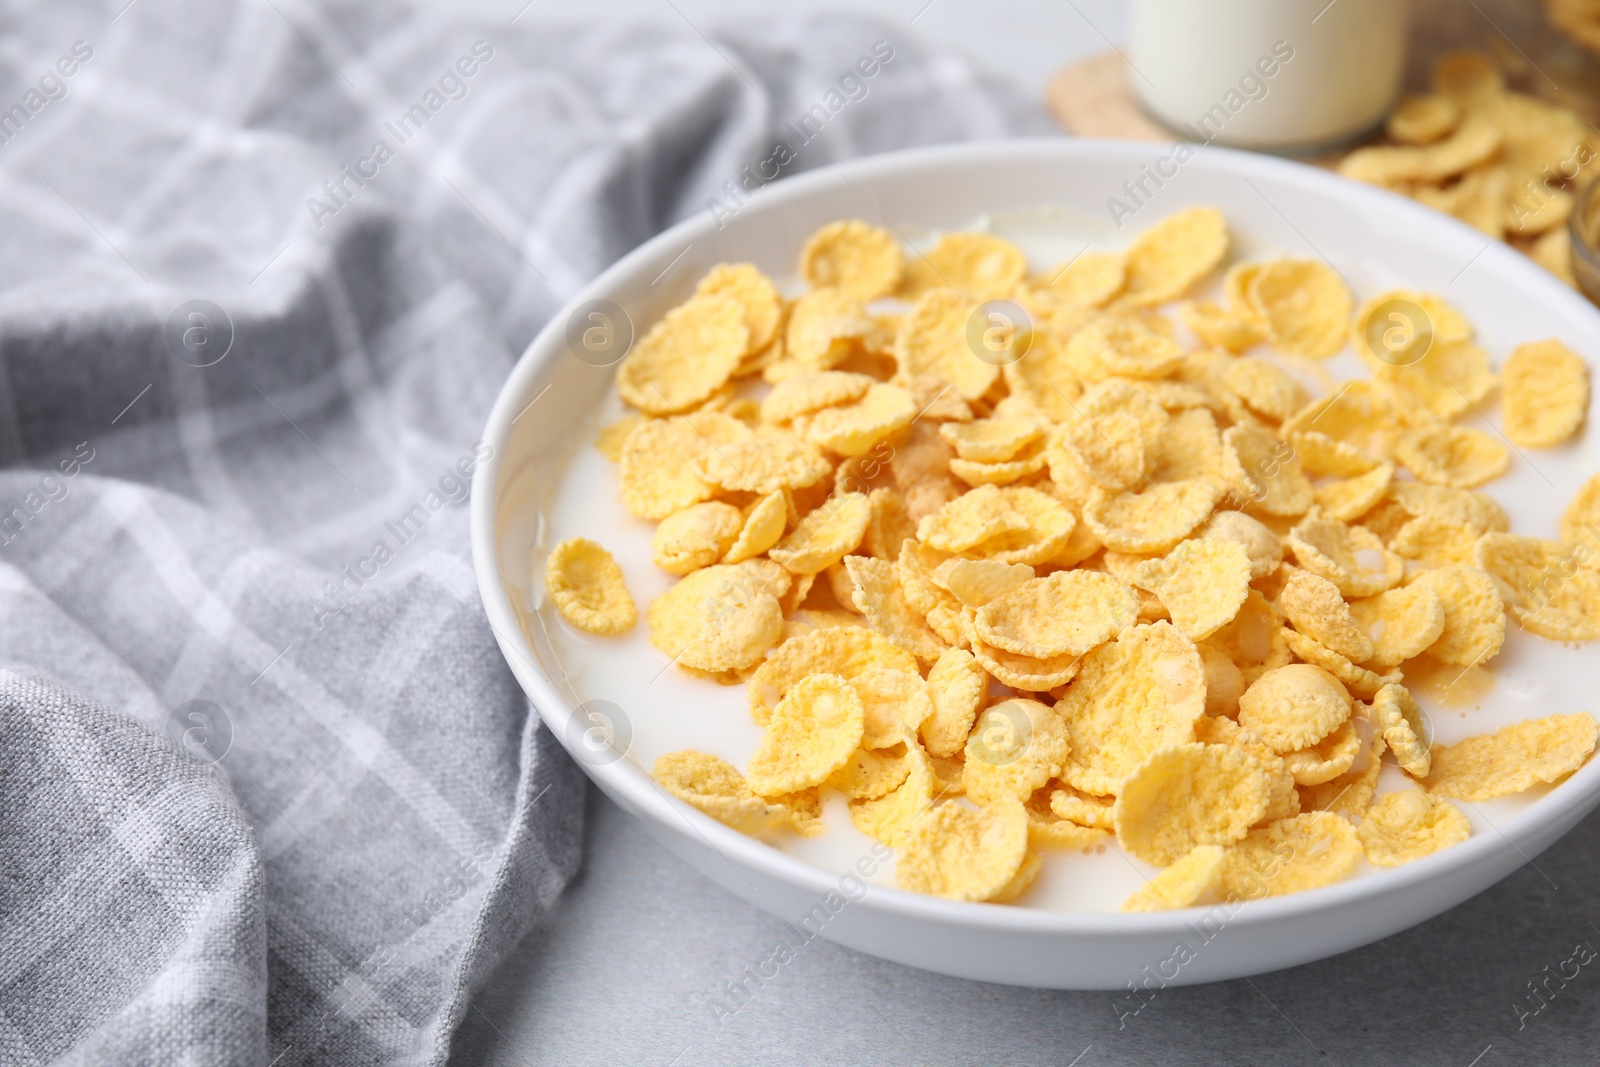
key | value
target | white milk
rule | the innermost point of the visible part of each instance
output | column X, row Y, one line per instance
column 1291, row 75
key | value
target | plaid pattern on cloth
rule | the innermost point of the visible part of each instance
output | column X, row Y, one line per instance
column 268, row 793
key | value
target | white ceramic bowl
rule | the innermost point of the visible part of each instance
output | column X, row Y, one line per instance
column 1376, row 239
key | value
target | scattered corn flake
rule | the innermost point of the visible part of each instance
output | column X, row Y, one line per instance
column 1358, row 680
column 1251, row 638
column 764, row 522
column 1031, row 461
column 975, row 582
column 1220, row 326
column 1123, row 347
column 888, row 524
column 1091, row 279
column 1474, row 614
column 1188, row 881
column 805, row 393
column 1065, row 614
column 1513, row 758
column 1396, row 715
column 1580, row 522
column 1085, row 809
column 751, row 290
column 1351, row 557
column 879, row 596
column 1282, row 798
column 717, row 788
column 1047, row 527
column 1350, row 498
column 983, row 264
column 1422, row 118
column 1328, row 758
column 1320, row 454
column 1350, row 793
column 1305, row 304
column 1169, row 257
column 612, row 436
column 825, row 536
column 823, row 327
column 586, row 586
column 868, row 774
column 848, row 651
column 1260, row 544
column 1016, row 746
column 960, row 854
column 1317, row 609
column 1110, row 449
column 857, row 259
column 1310, row 850
column 1473, row 142
column 1046, row 830
column 1266, row 389
column 1360, row 413
column 1191, row 447
column 970, row 520
column 1408, row 825
column 1045, row 377
column 718, row 618
column 1546, row 394
column 1402, row 622
column 812, row 733
column 1461, row 506
column 932, row 340
column 657, row 469
column 1457, row 456
column 1026, row 673
column 1025, row 876
column 1188, row 795
column 685, row 357
column 1132, row 696
column 1224, row 681
column 695, row 537
column 1544, row 585
column 991, row 440
column 1153, row 520
column 956, row 687
column 1202, row 583
column 887, row 818
column 853, row 429
column 763, row 463
column 1449, row 380
column 1261, row 469
column 1294, row 707
column 1435, row 541
column 894, row 704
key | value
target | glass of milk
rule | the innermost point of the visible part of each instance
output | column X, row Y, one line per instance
column 1281, row 75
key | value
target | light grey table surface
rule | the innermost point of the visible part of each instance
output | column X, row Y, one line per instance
column 628, row 965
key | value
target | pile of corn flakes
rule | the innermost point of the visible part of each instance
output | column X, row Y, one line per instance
column 1018, row 563
column 1501, row 161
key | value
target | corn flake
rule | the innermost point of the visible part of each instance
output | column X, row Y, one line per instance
column 825, row 536
column 1016, row 746
column 1317, row 609
column 960, row 854
column 868, row 774
column 812, row 733
column 585, row 584
column 1402, row 622
column 956, row 687
column 1169, row 257
column 1457, row 456
column 982, row 264
column 1294, row 707
column 1189, row 795
column 687, row 356
column 751, row 290
column 1262, row 470
column 1182, row 884
column 862, row 261
column 1067, row 613
column 1308, row 851
column 1153, row 520
column 805, row 393
column 894, row 704
column 716, row 787
column 764, row 520
column 1327, row 759
column 1305, row 305
column 847, row 651
column 888, row 817
column 1513, row 758
column 1202, row 583
column 1397, row 716
column 1408, row 825
column 1027, row 673
column 1544, row 585
column 763, row 463
column 1221, row 327
column 879, row 596
column 1122, row 347
column 852, row 429
column 1546, row 394
column 1092, row 279
column 1351, row 557
column 657, row 468
column 932, row 340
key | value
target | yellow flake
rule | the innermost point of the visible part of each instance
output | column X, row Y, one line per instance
column 1085, row 809
column 862, row 261
column 1351, row 498
column 1282, row 798
column 695, row 537
column 1045, row 377
column 1252, row 637
column 1224, row 681
column 825, row 536
column 1047, row 527
column 1449, row 380
column 1169, row 257
column 1120, row 346
column 1474, row 141
column 1188, row 795
column 852, row 429
column 1153, row 520
column 879, row 596
column 1110, row 449
column 1580, row 523
column 1396, row 715
column 1191, row 447
column 970, row 520
column 975, row 582
column 1350, row 793
column 1327, row 759
column 1305, row 304
column 932, row 340
column 1118, row 395
column 846, row 651
column 1067, row 613
column 888, row 524
column 975, row 473
column 1321, row 454
column 1202, row 583
column 586, row 586
column 1351, row 557
column 763, row 463
column 1513, row 758
column 1026, row 673
column 960, row 854
column 1393, row 327
column 1546, row 394
column 1221, row 327
column 764, row 521
column 718, row 618
column 1358, row 680
column 1294, row 707
column 1402, row 622
column 894, row 704
column 1308, row 851
column 657, row 471
column 1266, row 389
column 1132, row 696
column 1317, row 609
column 1262, row 470
column 754, row 292
column 1360, row 413
column 824, row 326
column 1457, row 456
column 717, row 788
column 805, row 393
column 1435, row 541
column 887, row 818
column 685, row 357
column 1474, row 615
column 868, row 774
column 1408, row 825
column 1259, row 543
column 1045, row 830
column 1422, row 119
column 984, row 265
column 956, row 687
column 1090, row 280
column 1544, row 585
column 990, row 440
column 1016, row 746
column 609, row 441
column 1460, row 506
column 1184, row 883
column 811, row 734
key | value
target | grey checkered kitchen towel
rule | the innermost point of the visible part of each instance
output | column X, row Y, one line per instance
column 268, row 793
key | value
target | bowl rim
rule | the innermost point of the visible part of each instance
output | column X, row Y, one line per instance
column 637, row 791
